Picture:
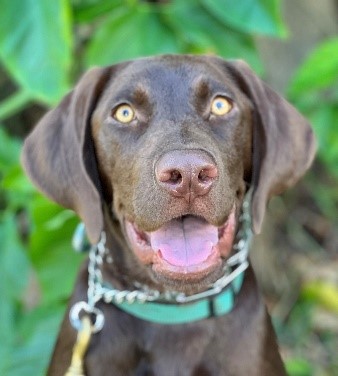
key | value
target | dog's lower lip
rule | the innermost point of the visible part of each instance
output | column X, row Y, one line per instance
column 170, row 264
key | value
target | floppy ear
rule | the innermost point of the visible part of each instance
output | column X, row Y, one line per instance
column 59, row 157
column 283, row 142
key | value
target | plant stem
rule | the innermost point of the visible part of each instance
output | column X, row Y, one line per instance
column 14, row 103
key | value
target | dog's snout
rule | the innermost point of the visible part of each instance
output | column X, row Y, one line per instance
column 186, row 173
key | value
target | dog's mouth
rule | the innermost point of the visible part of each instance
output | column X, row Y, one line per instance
column 186, row 248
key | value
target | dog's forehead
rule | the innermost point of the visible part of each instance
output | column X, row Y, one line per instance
column 180, row 72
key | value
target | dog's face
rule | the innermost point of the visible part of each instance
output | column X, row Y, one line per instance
column 171, row 143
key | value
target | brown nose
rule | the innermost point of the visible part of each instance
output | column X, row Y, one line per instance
column 186, row 173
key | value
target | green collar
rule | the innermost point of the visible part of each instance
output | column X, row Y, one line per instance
column 173, row 313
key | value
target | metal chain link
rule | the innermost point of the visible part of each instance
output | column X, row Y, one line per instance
column 95, row 280
column 99, row 290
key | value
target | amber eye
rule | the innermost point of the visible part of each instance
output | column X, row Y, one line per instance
column 221, row 106
column 124, row 113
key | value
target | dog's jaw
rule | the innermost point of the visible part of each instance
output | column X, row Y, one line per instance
column 184, row 250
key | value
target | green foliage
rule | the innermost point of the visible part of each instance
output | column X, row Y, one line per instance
column 36, row 40
column 323, row 293
column 319, row 71
column 262, row 17
column 50, row 249
column 138, row 31
column 315, row 90
column 44, row 46
column 35, row 45
column 299, row 367
column 28, row 331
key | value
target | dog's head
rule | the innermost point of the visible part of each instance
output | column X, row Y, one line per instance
column 171, row 144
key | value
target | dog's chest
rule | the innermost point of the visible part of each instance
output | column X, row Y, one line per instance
column 153, row 350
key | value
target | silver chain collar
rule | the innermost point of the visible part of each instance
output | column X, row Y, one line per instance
column 99, row 290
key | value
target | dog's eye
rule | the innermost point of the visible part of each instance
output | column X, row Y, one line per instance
column 221, row 106
column 124, row 113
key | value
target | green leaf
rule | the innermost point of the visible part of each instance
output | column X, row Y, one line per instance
column 9, row 151
column 14, row 185
column 202, row 33
column 130, row 33
column 55, row 262
column 35, row 340
column 7, row 328
column 14, row 267
column 14, row 263
column 12, row 259
column 18, row 189
column 35, row 45
column 15, row 103
column 88, row 12
column 324, row 119
column 251, row 16
column 298, row 367
column 322, row 293
column 319, row 71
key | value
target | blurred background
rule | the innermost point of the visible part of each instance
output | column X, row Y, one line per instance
column 292, row 44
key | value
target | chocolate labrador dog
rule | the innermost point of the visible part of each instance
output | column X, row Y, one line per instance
column 170, row 162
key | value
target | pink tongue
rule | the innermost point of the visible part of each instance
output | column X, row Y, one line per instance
column 185, row 242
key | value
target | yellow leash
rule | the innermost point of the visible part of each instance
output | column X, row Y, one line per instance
column 80, row 348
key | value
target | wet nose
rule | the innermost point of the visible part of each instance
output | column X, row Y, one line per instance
column 186, row 173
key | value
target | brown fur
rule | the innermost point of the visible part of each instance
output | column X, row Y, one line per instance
column 85, row 160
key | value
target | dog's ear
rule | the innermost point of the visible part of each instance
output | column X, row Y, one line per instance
column 283, row 142
column 59, row 157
